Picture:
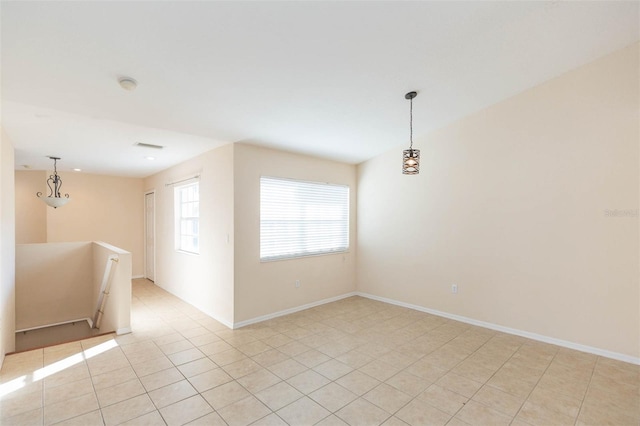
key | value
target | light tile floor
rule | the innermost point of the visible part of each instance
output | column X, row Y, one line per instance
column 353, row 362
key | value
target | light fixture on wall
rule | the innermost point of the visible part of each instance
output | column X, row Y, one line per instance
column 411, row 157
column 54, row 199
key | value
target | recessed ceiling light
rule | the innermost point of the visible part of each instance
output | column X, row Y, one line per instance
column 77, row 170
column 26, row 166
column 128, row 83
column 150, row 158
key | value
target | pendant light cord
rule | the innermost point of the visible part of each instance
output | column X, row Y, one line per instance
column 411, row 123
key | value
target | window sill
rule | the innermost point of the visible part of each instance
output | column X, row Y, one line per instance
column 188, row 253
column 303, row 256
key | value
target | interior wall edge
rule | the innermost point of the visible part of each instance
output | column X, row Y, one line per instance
column 7, row 246
column 218, row 318
column 293, row 310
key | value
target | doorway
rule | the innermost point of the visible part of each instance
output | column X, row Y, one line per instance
column 150, row 235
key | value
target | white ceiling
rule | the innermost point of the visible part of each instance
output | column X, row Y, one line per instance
column 322, row 78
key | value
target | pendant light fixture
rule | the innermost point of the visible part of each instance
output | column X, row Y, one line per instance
column 411, row 157
column 54, row 199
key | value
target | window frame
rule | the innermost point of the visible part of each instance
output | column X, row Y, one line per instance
column 181, row 219
column 345, row 221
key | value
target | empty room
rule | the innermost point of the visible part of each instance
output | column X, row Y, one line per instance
column 320, row 213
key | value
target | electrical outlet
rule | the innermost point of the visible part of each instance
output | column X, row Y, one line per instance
column 454, row 288
column 297, row 283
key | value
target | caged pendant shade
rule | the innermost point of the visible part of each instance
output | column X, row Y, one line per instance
column 54, row 199
column 411, row 157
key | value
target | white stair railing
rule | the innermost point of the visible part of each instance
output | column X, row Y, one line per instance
column 105, row 288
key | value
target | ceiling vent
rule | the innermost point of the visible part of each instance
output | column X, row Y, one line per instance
column 149, row 145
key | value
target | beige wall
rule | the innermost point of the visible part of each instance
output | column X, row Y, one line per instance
column 61, row 282
column 31, row 218
column 102, row 208
column 266, row 288
column 227, row 279
column 53, row 283
column 204, row 280
column 7, row 247
column 510, row 205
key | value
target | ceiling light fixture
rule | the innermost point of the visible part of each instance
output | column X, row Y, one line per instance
column 411, row 157
column 150, row 158
column 54, row 199
column 128, row 83
column 148, row 145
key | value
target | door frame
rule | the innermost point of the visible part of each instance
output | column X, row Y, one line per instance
column 151, row 191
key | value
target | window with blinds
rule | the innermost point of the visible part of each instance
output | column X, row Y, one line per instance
column 299, row 218
column 187, row 204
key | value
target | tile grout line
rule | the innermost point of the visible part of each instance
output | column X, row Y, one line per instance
column 385, row 322
column 384, row 382
column 93, row 386
column 593, row 372
column 535, row 386
column 486, row 381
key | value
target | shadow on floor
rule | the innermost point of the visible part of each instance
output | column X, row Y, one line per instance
column 54, row 335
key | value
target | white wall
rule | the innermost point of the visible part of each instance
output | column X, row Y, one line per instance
column 510, row 205
column 204, row 280
column 265, row 288
column 7, row 247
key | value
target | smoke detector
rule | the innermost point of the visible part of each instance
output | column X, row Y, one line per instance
column 128, row 83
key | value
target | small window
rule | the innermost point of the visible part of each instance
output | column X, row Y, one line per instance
column 300, row 218
column 187, row 203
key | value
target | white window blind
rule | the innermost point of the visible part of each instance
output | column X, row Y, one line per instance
column 300, row 218
column 187, row 199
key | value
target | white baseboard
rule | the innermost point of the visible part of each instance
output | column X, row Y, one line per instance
column 135, row 277
column 124, row 330
column 508, row 330
column 291, row 310
column 534, row 336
